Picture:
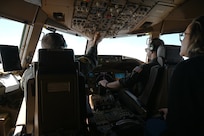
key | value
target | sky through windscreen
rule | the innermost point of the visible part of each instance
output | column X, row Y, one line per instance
column 131, row 46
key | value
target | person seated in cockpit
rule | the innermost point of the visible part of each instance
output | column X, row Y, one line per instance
column 139, row 73
column 56, row 41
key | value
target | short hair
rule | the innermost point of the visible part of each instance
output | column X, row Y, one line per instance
column 196, row 37
column 53, row 41
column 155, row 43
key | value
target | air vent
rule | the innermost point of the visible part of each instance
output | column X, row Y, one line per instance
column 146, row 25
column 58, row 16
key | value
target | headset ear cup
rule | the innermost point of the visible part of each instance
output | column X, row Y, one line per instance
column 155, row 43
column 64, row 43
column 151, row 47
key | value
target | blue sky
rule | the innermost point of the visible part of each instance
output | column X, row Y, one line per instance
column 10, row 32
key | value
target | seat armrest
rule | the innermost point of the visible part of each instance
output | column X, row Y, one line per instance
column 132, row 102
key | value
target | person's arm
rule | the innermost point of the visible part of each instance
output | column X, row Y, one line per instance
column 93, row 43
column 89, row 61
column 91, row 52
column 112, row 85
column 117, row 84
column 179, row 98
column 28, row 74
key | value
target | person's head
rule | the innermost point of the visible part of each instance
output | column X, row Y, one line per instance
column 193, row 42
column 53, row 41
column 152, row 48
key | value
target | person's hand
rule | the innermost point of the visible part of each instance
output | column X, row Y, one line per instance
column 164, row 111
column 103, row 83
column 93, row 42
column 97, row 38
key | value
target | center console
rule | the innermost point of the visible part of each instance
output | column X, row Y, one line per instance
column 111, row 116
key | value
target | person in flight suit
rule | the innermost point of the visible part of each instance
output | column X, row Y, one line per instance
column 139, row 73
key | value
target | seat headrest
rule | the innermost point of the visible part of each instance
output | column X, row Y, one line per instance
column 170, row 54
column 56, row 59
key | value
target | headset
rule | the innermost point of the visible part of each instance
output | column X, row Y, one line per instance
column 155, row 43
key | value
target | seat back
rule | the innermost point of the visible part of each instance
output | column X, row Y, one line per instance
column 151, row 91
column 171, row 58
column 155, row 94
column 57, row 106
column 144, row 104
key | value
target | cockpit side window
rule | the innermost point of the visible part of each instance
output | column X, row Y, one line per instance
column 171, row 39
column 10, row 33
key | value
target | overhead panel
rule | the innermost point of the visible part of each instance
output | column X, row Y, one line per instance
column 158, row 12
column 111, row 17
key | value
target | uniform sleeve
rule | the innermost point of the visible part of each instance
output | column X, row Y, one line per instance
column 130, row 80
column 136, row 77
column 89, row 61
column 28, row 74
